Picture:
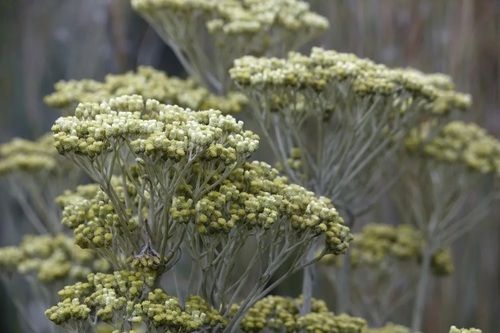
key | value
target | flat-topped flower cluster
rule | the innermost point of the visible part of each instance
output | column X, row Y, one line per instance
column 173, row 181
column 126, row 297
column 277, row 314
column 458, row 143
column 247, row 18
column 377, row 244
column 50, row 259
column 147, row 82
column 26, row 156
column 151, row 128
column 327, row 73
column 207, row 36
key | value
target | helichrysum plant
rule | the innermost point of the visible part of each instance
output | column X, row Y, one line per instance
column 175, row 183
column 207, row 36
column 452, row 165
column 147, row 82
column 34, row 174
column 344, row 115
column 334, row 120
column 384, row 262
column 163, row 233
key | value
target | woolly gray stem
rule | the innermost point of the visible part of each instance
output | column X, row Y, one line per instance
column 420, row 298
column 309, row 276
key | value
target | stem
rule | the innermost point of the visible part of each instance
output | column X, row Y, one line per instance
column 308, row 283
column 343, row 292
column 343, row 287
column 419, row 307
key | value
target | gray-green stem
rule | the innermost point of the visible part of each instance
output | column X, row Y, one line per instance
column 423, row 281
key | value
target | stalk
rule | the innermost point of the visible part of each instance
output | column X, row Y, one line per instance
column 423, row 280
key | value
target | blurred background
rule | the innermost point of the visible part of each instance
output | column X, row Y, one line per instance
column 42, row 42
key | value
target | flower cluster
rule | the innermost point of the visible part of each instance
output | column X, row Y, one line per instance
column 276, row 313
column 228, row 19
column 333, row 74
column 459, row 143
column 253, row 195
column 152, row 129
column 27, row 156
column 256, row 197
column 237, row 28
column 377, row 243
column 171, row 181
column 391, row 328
column 50, row 258
column 90, row 213
column 346, row 115
column 34, row 173
column 124, row 298
column 454, row 329
column 147, row 82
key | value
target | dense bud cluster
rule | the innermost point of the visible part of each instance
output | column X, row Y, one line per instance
column 248, row 18
column 50, row 258
column 92, row 216
column 459, row 143
column 186, row 186
column 236, row 28
column 255, row 196
column 125, row 298
column 278, row 314
column 241, row 17
column 334, row 74
column 378, row 243
column 21, row 155
column 329, row 323
column 454, row 329
column 334, row 119
column 152, row 129
column 391, row 328
column 147, row 82
column 165, row 312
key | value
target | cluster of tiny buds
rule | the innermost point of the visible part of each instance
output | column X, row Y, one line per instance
column 377, row 243
column 255, row 196
column 124, row 294
column 277, row 314
column 92, row 221
column 50, row 258
column 20, row 155
column 332, row 73
column 147, row 82
column 252, row 196
column 459, row 143
column 454, row 329
column 391, row 328
column 151, row 128
column 229, row 17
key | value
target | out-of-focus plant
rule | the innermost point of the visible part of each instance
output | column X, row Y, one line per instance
column 147, row 82
column 207, row 36
column 451, row 184
column 384, row 263
column 34, row 174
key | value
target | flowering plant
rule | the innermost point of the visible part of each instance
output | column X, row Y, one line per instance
column 180, row 231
